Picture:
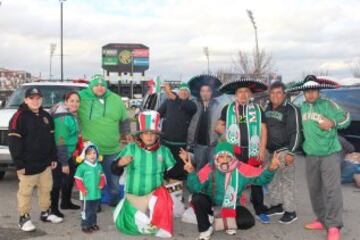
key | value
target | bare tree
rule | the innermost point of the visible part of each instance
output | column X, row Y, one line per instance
column 246, row 63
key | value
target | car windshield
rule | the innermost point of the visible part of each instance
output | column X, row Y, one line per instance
column 51, row 95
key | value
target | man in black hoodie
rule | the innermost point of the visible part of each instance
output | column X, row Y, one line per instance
column 33, row 150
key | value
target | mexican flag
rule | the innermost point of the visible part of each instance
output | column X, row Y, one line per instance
column 155, row 86
column 131, row 221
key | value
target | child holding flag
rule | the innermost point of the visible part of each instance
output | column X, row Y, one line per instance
column 147, row 207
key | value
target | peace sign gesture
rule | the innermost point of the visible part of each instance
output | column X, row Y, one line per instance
column 275, row 162
column 184, row 155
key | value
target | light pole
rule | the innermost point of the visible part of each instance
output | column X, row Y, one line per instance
column 52, row 50
column 61, row 41
column 206, row 52
column 257, row 60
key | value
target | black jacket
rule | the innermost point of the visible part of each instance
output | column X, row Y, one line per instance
column 284, row 127
column 178, row 114
column 31, row 140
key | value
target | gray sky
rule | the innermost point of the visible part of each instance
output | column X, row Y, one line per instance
column 302, row 35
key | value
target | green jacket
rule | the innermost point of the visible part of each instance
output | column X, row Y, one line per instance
column 211, row 181
column 66, row 132
column 318, row 142
column 100, row 118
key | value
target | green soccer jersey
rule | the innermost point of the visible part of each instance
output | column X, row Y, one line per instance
column 146, row 171
column 90, row 175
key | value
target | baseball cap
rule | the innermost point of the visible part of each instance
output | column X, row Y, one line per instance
column 32, row 91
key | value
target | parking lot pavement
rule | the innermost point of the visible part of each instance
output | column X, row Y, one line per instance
column 70, row 228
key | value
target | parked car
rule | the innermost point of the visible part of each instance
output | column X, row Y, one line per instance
column 349, row 99
column 53, row 92
column 136, row 103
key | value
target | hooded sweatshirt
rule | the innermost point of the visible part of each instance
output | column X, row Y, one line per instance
column 100, row 118
column 66, row 132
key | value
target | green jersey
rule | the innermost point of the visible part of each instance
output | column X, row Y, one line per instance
column 90, row 175
column 146, row 171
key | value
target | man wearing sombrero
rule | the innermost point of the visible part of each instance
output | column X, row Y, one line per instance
column 147, row 207
column 243, row 124
column 201, row 135
column 321, row 118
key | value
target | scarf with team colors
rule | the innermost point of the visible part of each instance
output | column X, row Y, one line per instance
column 253, row 123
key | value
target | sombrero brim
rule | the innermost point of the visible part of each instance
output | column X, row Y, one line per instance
column 197, row 82
column 253, row 85
column 318, row 87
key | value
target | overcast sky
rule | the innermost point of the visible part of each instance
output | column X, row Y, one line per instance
column 302, row 36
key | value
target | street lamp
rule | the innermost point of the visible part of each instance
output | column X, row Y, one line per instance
column 257, row 60
column 52, row 50
column 206, row 52
column 61, row 40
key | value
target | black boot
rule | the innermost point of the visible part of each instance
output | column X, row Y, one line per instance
column 55, row 202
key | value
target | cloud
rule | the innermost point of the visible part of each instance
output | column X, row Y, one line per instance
column 301, row 35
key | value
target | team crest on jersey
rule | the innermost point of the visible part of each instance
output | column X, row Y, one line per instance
column 159, row 157
column 46, row 121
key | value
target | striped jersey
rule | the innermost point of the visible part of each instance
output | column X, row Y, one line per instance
column 146, row 171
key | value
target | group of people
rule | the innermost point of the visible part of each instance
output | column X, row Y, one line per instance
column 213, row 150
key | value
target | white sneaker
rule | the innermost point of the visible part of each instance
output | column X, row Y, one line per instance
column 49, row 217
column 207, row 234
column 231, row 232
column 25, row 224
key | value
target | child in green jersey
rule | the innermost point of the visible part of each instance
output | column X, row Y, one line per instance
column 147, row 207
column 90, row 179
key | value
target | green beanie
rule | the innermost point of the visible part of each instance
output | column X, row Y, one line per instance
column 96, row 80
column 224, row 147
column 184, row 86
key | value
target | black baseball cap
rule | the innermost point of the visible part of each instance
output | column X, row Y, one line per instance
column 32, row 91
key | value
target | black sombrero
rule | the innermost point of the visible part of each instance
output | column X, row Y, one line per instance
column 313, row 82
column 198, row 81
column 235, row 82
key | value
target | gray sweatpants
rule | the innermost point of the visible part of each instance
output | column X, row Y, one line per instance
column 323, row 179
column 282, row 187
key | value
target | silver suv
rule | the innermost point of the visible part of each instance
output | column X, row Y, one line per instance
column 53, row 92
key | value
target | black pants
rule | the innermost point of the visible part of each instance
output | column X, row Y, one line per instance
column 203, row 207
column 63, row 183
column 257, row 194
column 177, row 172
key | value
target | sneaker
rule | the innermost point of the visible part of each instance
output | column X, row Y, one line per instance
column 275, row 210
column 207, row 234
column 58, row 213
column 50, row 217
column 95, row 227
column 288, row 218
column 25, row 223
column 263, row 218
column 314, row 225
column 86, row 230
column 231, row 232
column 333, row 233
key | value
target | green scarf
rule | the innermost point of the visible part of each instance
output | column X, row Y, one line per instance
column 253, row 123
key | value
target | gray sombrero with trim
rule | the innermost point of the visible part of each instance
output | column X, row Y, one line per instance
column 236, row 81
column 313, row 82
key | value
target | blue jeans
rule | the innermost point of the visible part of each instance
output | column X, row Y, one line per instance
column 202, row 155
column 112, row 181
column 91, row 207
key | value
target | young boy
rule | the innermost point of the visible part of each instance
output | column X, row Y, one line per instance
column 147, row 207
column 33, row 150
column 219, row 184
column 90, row 179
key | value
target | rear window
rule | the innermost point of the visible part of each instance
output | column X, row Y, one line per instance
column 51, row 95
